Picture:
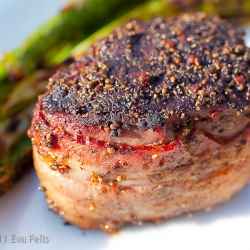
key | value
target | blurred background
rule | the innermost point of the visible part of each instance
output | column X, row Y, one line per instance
column 18, row 19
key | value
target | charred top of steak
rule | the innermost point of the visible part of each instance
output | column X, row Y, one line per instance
column 144, row 74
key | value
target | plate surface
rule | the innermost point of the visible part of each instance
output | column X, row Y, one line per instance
column 26, row 223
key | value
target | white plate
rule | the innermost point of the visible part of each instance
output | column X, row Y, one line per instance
column 24, row 214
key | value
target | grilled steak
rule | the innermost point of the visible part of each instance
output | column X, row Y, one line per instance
column 151, row 123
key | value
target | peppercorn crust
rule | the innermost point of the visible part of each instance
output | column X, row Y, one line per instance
column 144, row 73
column 151, row 123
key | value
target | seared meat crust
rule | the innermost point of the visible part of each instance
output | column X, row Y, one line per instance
column 151, row 123
column 144, row 73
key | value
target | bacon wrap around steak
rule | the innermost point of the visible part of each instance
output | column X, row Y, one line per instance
column 151, row 123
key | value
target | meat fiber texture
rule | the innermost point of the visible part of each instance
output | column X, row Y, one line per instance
column 151, row 123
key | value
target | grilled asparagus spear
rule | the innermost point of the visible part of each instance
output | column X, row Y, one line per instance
column 18, row 105
column 75, row 22
column 15, row 150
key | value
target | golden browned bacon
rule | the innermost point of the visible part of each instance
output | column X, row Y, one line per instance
column 151, row 123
